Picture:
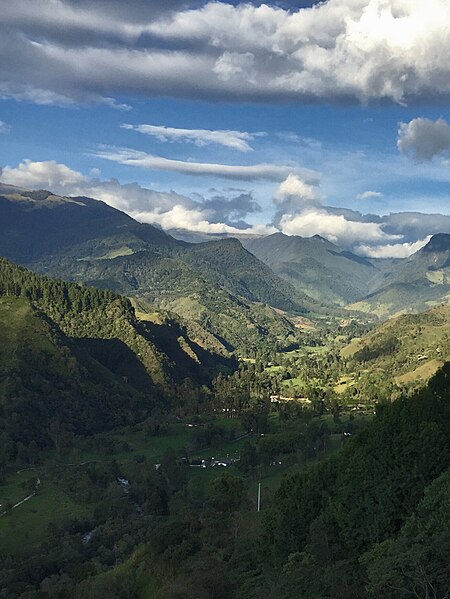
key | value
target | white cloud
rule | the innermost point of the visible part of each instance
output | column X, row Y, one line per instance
column 424, row 138
column 394, row 235
column 294, row 186
column 369, row 195
column 237, row 140
column 49, row 175
column 270, row 172
column 167, row 209
column 338, row 49
column 335, row 228
column 179, row 217
column 397, row 250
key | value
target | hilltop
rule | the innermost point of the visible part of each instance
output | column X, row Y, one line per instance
column 80, row 355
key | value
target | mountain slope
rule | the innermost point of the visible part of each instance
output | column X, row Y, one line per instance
column 409, row 348
column 81, row 239
column 106, row 325
column 38, row 223
column 48, row 378
column 316, row 266
column 414, row 284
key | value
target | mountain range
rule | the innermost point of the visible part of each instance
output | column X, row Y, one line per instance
column 228, row 294
column 225, row 295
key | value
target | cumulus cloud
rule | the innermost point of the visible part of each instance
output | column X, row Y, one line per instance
column 269, row 172
column 294, row 194
column 237, row 140
column 225, row 211
column 335, row 228
column 396, row 250
column 423, row 138
column 49, row 175
column 369, row 195
column 342, row 50
column 221, row 213
column 294, row 186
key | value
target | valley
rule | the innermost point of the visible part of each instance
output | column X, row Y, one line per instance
column 154, row 392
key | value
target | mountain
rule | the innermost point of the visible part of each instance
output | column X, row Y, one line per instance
column 151, row 356
column 48, row 377
column 413, row 284
column 408, row 349
column 316, row 266
column 219, row 289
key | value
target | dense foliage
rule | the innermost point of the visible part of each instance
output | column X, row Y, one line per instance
column 74, row 360
column 370, row 520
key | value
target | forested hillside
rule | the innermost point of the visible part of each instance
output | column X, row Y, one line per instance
column 414, row 284
column 79, row 356
column 408, row 349
column 370, row 521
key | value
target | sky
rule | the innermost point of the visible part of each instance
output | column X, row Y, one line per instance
column 308, row 118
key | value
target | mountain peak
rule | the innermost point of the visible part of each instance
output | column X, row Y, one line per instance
column 438, row 243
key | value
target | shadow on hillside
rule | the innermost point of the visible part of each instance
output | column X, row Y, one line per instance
column 191, row 359
column 118, row 358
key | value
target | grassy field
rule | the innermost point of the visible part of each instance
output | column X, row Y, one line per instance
column 27, row 525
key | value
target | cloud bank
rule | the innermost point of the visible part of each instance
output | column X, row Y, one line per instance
column 222, row 213
column 397, row 250
column 339, row 50
column 299, row 206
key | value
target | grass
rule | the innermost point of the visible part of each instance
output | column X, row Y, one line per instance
column 421, row 373
column 350, row 350
column 13, row 491
column 343, row 384
column 274, row 368
column 293, row 384
column 27, row 525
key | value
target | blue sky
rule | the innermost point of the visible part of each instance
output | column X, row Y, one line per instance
column 318, row 101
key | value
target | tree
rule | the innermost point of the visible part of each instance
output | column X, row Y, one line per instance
column 226, row 493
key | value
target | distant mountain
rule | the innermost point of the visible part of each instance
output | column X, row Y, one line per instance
column 35, row 224
column 414, row 284
column 230, row 298
column 316, row 266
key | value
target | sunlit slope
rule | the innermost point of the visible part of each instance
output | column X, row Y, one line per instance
column 408, row 348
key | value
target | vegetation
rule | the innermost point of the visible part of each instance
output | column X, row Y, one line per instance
column 316, row 266
column 224, row 295
column 205, row 439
